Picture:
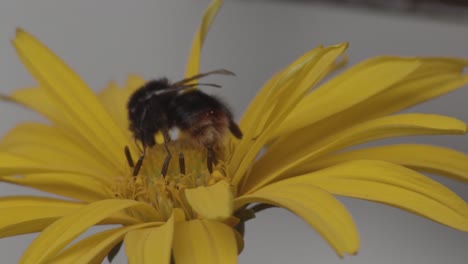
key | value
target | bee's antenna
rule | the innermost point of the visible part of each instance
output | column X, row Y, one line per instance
column 175, row 88
column 186, row 86
column 202, row 84
column 201, row 75
column 181, row 85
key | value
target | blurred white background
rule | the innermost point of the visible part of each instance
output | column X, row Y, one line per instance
column 105, row 40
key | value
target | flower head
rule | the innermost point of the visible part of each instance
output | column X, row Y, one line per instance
column 305, row 161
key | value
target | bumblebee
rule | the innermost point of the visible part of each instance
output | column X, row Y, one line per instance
column 159, row 106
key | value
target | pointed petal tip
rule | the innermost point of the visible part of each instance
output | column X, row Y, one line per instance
column 340, row 45
column 132, row 75
column 344, row 45
column 352, row 253
column 5, row 97
column 19, row 31
column 111, row 82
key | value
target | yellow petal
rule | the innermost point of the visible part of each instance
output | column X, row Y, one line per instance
column 281, row 94
column 94, row 249
column 38, row 100
column 317, row 207
column 353, row 86
column 393, row 185
column 49, row 145
column 286, row 154
column 259, row 110
column 204, row 242
column 254, row 119
column 436, row 65
column 150, row 245
column 262, row 102
column 284, row 93
column 134, row 82
column 434, row 77
column 193, row 63
column 48, row 155
column 401, row 96
column 27, row 214
column 115, row 99
column 64, row 132
column 427, row 158
column 14, row 165
column 59, row 234
column 75, row 186
column 72, row 95
column 214, row 202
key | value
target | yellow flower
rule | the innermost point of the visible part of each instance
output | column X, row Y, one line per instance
column 195, row 217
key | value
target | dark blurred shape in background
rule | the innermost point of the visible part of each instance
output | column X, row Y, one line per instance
column 455, row 10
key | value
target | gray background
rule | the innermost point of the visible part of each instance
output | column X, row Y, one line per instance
column 104, row 40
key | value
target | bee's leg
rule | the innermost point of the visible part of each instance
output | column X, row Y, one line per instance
column 128, row 155
column 137, row 167
column 210, row 159
column 169, row 155
column 182, row 163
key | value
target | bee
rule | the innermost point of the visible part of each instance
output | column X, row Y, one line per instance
column 159, row 106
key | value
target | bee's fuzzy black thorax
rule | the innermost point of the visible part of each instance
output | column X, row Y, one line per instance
column 147, row 112
column 159, row 106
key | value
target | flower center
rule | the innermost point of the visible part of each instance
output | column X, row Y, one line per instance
column 167, row 192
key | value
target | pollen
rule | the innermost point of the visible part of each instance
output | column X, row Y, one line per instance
column 165, row 193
